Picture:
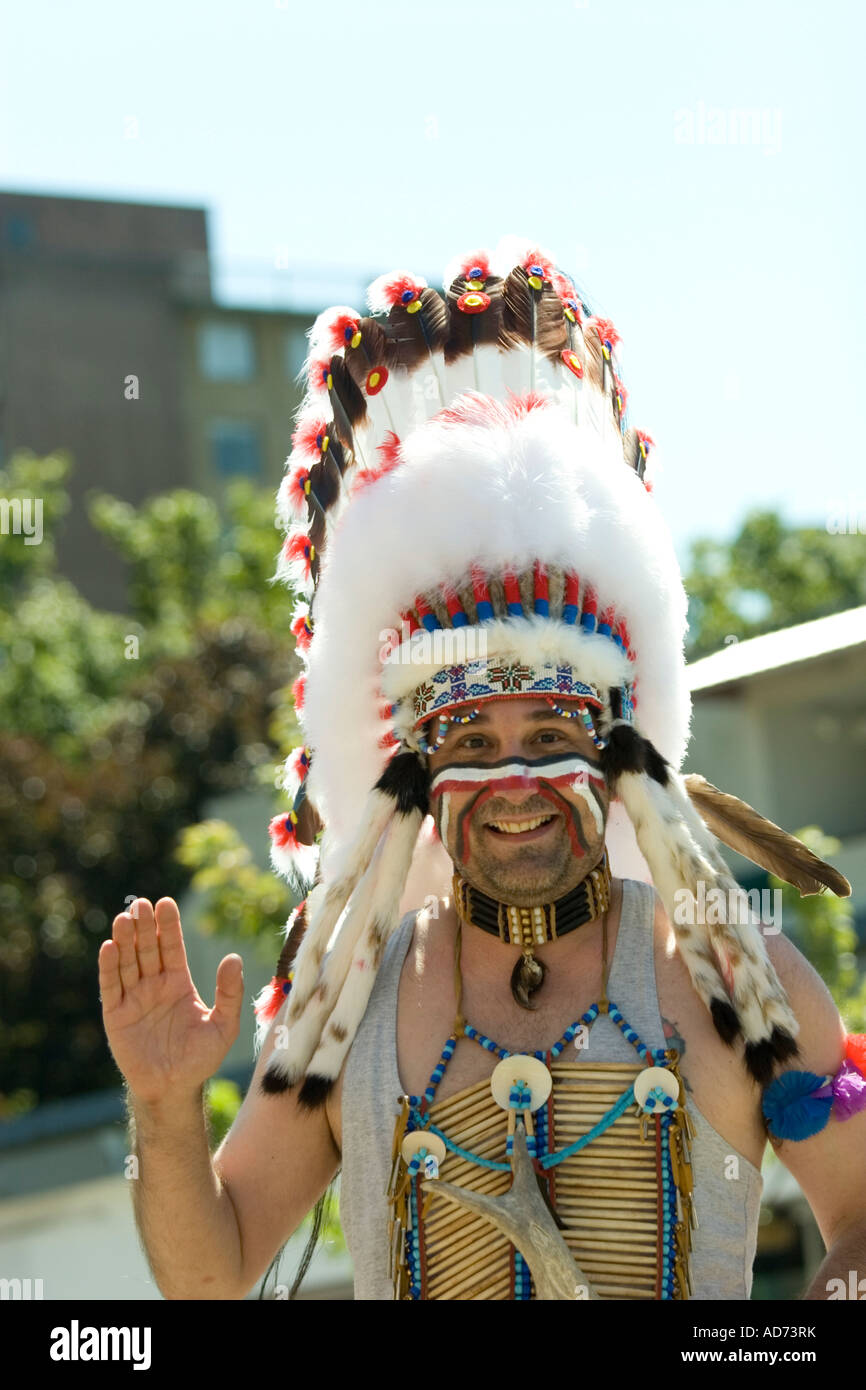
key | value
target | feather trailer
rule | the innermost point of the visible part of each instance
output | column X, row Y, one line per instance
column 418, row 329
column 727, row 961
column 745, row 830
column 396, row 808
column 380, row 919
column 532, row 315
column 271, row 998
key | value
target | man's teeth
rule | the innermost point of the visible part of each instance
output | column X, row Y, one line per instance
column 515, row 827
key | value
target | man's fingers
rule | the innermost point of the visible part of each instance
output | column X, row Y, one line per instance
column 123, row 934
column 229, row 996
column 171, row 947
column 110, row 988
column 146, row 944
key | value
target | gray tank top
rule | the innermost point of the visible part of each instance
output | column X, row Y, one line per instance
column 723, row 1245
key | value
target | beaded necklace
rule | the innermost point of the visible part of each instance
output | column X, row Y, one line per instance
column 616, row 1167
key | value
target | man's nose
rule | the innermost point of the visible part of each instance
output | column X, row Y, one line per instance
column 523, row 784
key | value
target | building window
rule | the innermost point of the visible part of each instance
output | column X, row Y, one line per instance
column 226, row 351
column 235, row 449
column 295, row 347
column 19, row 232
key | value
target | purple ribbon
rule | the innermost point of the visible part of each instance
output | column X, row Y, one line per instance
column 848, row 1090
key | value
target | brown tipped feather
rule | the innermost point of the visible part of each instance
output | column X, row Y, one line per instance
column 532, row 317
column 374, row 350
column 292, row 944
column 468, row 331
column 350, row 408
column 749, row 833
column 413, row 336
column 633, row 456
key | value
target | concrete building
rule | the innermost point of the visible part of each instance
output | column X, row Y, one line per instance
column 112, row 347
column 780, row 721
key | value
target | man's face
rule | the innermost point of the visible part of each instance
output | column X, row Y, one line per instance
column 520, row 801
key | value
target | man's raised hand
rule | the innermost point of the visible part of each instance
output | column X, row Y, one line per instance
column 164, row 1038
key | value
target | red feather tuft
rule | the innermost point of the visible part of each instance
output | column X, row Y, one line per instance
column 302, row 631
column 855, row 1051
column 473, row 408
column 307, row 434
column 299, row 549
column 338, row 336
column 298, row 479
column 283, row 830
column 480, row 261
column 317, row 371
column 269, row 1003
column 390, row 450
column 389, row 290
column 391, row 458
column 299, row 762
column 536, row 257
column 299, row 690
column 606, row 331
column 648, row 443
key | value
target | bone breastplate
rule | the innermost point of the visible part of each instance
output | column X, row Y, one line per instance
column 609, row 1145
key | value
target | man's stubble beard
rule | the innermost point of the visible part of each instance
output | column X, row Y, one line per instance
column 536, row 874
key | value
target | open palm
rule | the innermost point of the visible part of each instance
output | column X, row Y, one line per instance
column 163, row 1036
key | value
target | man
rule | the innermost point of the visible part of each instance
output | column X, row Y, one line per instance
column 467, row 479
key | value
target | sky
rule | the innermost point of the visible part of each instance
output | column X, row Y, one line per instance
column 696, row 167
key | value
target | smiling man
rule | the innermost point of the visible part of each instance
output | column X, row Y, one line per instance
column 494, row 1072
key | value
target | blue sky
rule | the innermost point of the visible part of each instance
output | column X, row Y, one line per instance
column 697, row 167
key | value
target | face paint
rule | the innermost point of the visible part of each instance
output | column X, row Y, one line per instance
column 444, row 814
column 576, row 773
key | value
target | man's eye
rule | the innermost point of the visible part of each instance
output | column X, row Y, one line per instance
column 549, row 736
column 472, row 741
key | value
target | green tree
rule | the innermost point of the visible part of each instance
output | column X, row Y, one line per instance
column 769, row 576
column 111, row 746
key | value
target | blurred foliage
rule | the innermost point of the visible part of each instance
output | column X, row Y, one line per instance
column 117, row 729
column 822, row 927
column 223, row 1099
column 238, row 896
column 769, row 576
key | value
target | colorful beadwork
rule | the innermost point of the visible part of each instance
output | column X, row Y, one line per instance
column 670, row 1124
column 580, row 713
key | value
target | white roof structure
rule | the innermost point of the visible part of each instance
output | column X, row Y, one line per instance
column 787, row 647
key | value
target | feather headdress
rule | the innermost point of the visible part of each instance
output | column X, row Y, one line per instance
column 462, row 473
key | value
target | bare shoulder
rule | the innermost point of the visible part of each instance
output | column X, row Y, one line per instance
column 821, row 1038
column 415, row 966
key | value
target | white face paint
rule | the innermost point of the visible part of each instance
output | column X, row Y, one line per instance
column 444, row 813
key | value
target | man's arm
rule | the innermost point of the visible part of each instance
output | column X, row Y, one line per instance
column 830, row 1166
column 275, row 1163
column 211, row 1226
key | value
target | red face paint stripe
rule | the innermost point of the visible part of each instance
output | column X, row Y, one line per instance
column 567, row 779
